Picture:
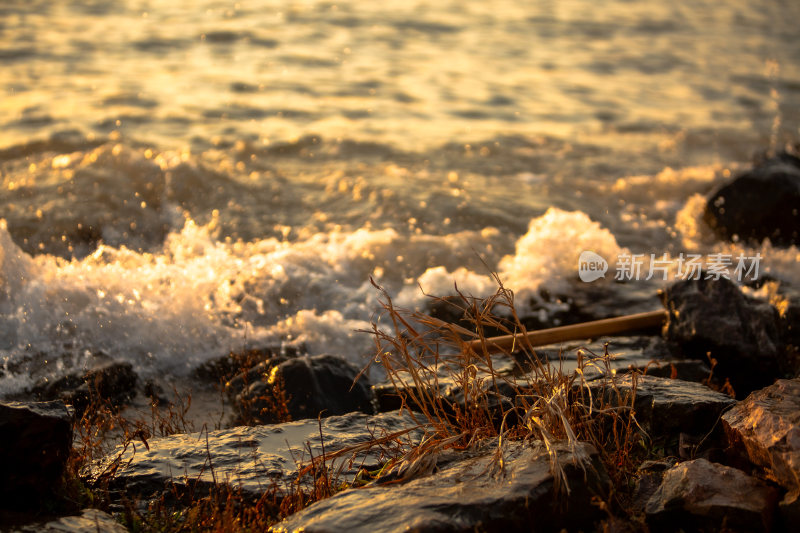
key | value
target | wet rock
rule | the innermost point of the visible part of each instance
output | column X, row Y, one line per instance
column 683, row 369
column 791, row 321
column 304, row 387
column 389, row 396
column 112, row 381
column 35, row 440
column 765, row 429
column 700, row 495
column 254, row 459
column 225, row 368
column 787, row 301
column 89, row 521
column 666, row 407
column 763, row 203
column 588, row 301
column 648, row 480
column 470, row 494
column 712, row 318
column 625, row 353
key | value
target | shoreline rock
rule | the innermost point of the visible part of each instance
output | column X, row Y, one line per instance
column 763, row 203
column 666, row 406
column 713, row 319
column 705, row 496
column 764, row 429
column 463, row 495
column 254, row 459
column 114, row 381
column 35, row 442
column 300, row 387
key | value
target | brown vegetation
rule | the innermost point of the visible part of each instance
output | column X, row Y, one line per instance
column 540, row 403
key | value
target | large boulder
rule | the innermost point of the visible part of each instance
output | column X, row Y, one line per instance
column 763, row 203
column 252, row 459
column 667, row 408
column 470, row 494
column 35, row 441
column 711, row 318
column 301, row 387
column 765, row 429
column 700, row 495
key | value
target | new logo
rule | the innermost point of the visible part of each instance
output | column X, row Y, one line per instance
column 591, row 266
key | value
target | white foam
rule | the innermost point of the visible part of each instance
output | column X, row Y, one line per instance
column 546, row 256
column 199, row 297
column 548, row 253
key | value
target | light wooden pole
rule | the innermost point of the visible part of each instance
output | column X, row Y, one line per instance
column 586, row 330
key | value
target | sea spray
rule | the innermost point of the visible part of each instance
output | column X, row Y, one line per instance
column 201, row 296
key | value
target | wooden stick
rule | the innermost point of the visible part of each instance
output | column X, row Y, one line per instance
column 587, row 330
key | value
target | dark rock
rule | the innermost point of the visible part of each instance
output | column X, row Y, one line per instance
column 303, row 387
column 625, row 353
column 791, row 322
column 464, row 495
column 665, row 407
column 763, row 203
column 498, row 393
column 35, row 441
column 648, row 480
column 683, row 369
column 112, row 381
column 225, row 368
column 589, row 301
column 253, row 459
column 89, row 521
column 765, row 429
column 787, row 301
column 700, row 495
column 389, row 398
column 710, row 318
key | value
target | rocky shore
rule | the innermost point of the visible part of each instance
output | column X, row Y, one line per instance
column 695, row 427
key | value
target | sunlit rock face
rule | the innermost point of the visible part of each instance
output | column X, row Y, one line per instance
column 666, row 406
column 703, row 495
column 765, row 429
column 252, row 459
column 470, row 493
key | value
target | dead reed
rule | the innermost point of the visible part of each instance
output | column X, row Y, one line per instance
column 449, row 387
column 426, row 359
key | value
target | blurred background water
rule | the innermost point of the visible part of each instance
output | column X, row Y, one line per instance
column 182, row 178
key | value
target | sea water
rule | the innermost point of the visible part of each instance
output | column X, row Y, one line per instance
column 184, row 179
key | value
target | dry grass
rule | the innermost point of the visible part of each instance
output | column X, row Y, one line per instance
column 544, row 404
column 420, row 354
column 103, row 429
